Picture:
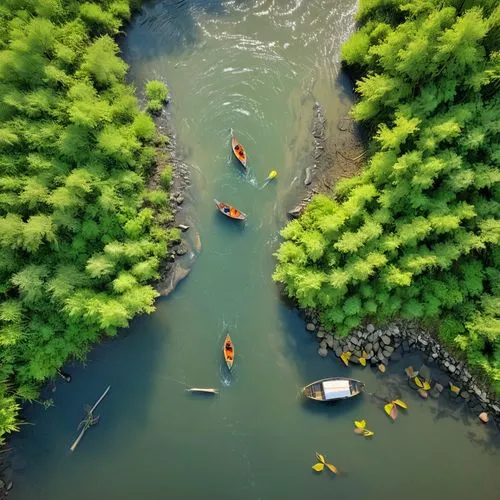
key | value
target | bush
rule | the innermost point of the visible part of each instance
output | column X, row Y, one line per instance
column 156, row 94
column 166, row 176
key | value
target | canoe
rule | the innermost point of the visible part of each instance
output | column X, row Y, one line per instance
column 238, row 150
column 333, row 389
column 204, row 390
column 229, row 211
column 228, row 350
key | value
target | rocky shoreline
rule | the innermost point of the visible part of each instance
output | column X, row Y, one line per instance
column 379, row 345
column 182, row 252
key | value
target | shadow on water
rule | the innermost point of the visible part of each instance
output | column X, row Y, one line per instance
column 128, row 365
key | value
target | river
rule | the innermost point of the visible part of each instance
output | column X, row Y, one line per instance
column 256, row 66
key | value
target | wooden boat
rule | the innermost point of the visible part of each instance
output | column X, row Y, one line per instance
column 333, row 389
column 228, row 350
column 204, row 390
column 229, row 211
column 238, row 150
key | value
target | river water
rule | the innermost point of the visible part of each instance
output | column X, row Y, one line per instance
column 256, row 66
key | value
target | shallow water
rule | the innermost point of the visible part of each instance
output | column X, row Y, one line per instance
column 257, row 67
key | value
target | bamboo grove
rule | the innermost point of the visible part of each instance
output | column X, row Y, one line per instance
column 416, row 234
column 81, row 235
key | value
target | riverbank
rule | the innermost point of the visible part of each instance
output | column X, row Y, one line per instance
column 340, row 158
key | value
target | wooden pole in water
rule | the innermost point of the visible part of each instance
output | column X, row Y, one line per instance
column 87, row 422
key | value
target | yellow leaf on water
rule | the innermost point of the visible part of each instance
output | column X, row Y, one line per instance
column 400, row 403
column 364, row 354
column 320, row 457
column 411, row 372
column 426, row 386
column 332, row 468
column 345, row 356
column 388, row 408
column 381, row 367
column 454, row 388
column 318, row 467
column 368, row 433
column 362, row 361
column 360, row 424
column 418, row 382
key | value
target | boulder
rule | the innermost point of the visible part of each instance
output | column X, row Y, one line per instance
column 329, row 340
column 438, row 387
column 484, row 417
column 370, row 328
column 323, row 344
column 465, row 395
column 310, row 327
column 323, row 352
column 308, row 178
column 386, row 339
column 386, row 353
column 452, row 368
column 181, row 250
column 320, row 335
column 183, row 227
column 380, row 356
column 180, row 200
column 389, row 349
column 376, row 346
column 368, row 347
column 355, row 341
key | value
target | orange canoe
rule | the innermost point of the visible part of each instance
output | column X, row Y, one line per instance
column 228, row 351
column 238, row 150
column 229, row 211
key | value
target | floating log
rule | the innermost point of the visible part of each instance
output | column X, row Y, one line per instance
column 207, row 390
column 88, row 420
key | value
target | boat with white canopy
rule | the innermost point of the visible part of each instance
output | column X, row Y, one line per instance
column 332, row 389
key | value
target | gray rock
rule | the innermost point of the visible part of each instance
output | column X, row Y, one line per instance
column 354, row 359
column 350, row 347
column 182, row 250
column 338, row 351
column 381, row 356
column 422, row 341
column 465, row 395
column 323, row 352
column 308, row 178
column 329, row 340
column 369, row 355
column 376, row 346
column 438, row 387
column 386, row 353
column 336, row 344
column 180, row 200
column 295, row 212
column 310, row 327
column 389, row 349
column 183, row 227
column 355, row 341
column 357, row 353
column 171, row 257
column 323, row 344
column 370, row 328
column 451, row 368
column 368, row 347
column 374, row 361
column 320, row 335
column 386, row 339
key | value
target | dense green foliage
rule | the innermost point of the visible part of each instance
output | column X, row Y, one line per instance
column 416, row 234
column 157, row 95
column 79, row 232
